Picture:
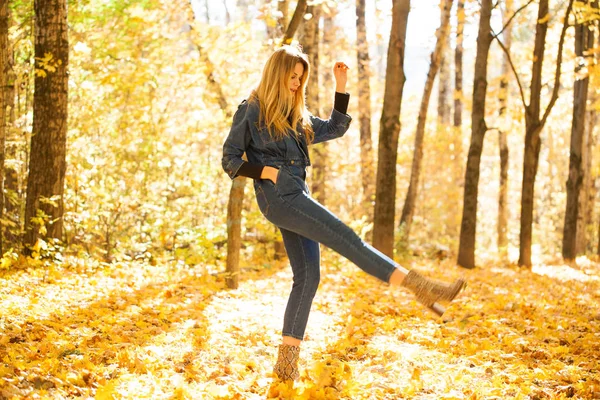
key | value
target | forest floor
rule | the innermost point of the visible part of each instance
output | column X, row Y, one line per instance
column 170, row 331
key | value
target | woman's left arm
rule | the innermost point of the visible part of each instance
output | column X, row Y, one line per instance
column 338, row 121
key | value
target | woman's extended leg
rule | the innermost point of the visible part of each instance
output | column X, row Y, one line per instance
column 296, row 211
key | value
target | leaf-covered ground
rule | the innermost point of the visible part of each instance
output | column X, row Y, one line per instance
column 170, row 331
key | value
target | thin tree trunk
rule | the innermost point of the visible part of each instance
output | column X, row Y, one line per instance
column 457, row 134
column 295, row 22
column 282, row 18
column 364, row 109
column 5, row 67
column 591, row 122
column 534, row 124
column 236, row 192
column 308, row 36
column 504, row 121
column 443, row 106
column 206, row 11
column 458, row 64
column 389, row 132
column 466, row 251
column 576, row 177
column 234, row 231
column 47, row 165
column 586, row 198
column 227, row 13
column 411, row 196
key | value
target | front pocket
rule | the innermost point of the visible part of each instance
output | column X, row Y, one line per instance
column 261, row 200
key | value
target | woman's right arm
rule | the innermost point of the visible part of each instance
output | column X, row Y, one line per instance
column 236, row 143
column 234, row 147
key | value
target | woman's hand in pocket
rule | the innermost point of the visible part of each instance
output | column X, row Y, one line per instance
column 270, row 173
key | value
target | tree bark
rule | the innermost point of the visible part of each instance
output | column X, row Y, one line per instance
column 282, row 7
column 308, row 36
column 364, row 110
column 295, row 22
column 573, row 211
column 436, row 57
column 47, row 165
column 443, row 106
column 458, row 64
column 389, row 131
column 236, row 192
column 504, row 121
column 5, row 67
column 534, row 124
column 234, row 231
column 466, row 251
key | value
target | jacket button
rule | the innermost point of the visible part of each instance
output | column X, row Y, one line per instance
column 292, row 161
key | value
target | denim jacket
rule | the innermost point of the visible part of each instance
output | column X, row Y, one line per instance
column 247, row 136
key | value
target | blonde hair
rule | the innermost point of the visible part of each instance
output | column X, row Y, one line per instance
column 280, row 111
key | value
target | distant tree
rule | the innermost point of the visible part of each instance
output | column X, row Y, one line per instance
column 458, row 64
column 364, row 109
column 5, row 101
column 294, row 22
column 389, row 131
column 575, row 213
column 534, row 123
column 436, row 56
column 503, row 118
column 282, row 8
column 47, row 164
column 443, row 106
column 466, row 250
column 308, row 36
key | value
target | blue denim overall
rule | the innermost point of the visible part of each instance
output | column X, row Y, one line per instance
column 303, row 222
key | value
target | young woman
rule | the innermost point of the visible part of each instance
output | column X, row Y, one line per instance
column 274, row 129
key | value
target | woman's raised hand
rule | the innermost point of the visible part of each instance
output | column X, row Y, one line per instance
column 341, row 77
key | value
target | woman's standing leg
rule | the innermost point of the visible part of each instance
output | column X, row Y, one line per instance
column 304, row 255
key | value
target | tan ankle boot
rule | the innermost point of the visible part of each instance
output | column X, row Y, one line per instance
column 429, row 291
column 286, row 367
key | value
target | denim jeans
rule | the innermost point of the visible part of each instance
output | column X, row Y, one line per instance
column 304, row 223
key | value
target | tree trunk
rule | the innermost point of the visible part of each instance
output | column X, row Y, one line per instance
column 534, row 125
column 504, row 122
column 308, row 36
column 282, row 7
column 364, row 110
column 457, row 134
column 5, row 66
column 227, row 13
column 436, row 56
column 295, row 22
column 236, row 193
column 588, row 205
column 576, row 174
column 466, row 251
column 458, row 64
column 47, row 165
column 443, row 106
column 586, row 196
column 234, row 231
column 389, row 131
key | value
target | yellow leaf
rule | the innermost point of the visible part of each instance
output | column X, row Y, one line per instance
column 106, row 392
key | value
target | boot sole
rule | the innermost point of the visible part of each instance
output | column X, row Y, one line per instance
column 439, row 309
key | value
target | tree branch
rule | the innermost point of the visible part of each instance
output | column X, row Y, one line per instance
column 294, row 22
column 558, row 64
column 512, row 67
column 512, row 17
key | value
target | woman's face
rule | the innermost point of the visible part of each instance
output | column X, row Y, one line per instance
column 296, row 77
